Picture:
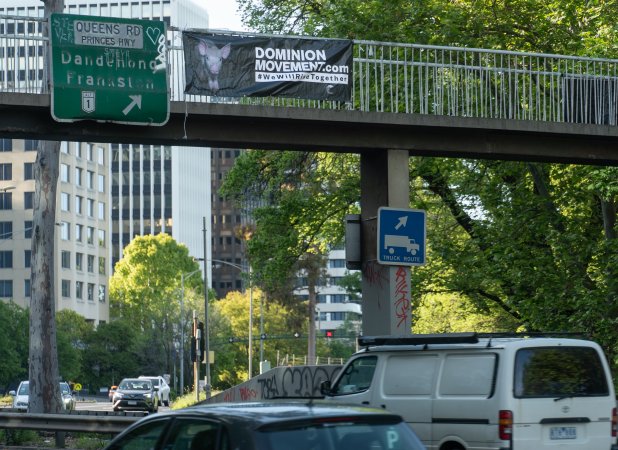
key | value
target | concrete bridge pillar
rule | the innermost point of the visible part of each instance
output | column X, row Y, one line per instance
column 385, row 181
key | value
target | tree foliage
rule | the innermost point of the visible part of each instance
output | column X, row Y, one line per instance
column 532, row 245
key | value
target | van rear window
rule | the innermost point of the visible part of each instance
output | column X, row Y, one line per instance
column 559, row 372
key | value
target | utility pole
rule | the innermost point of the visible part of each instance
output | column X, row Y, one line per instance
column 196, row 363
column 206, row 323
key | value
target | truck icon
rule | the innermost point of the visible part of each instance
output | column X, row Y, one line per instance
column 391, row 241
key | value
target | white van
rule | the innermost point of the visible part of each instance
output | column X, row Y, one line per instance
column 466, row 391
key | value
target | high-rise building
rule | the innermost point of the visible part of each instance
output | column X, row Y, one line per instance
column 107, row 194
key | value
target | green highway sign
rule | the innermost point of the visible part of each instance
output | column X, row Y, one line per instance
column 109, row 70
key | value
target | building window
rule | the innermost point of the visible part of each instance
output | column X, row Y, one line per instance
column 101, row 265
column 101, row 293
column 27, row 258
column 101, row 211
column 6, row 288
column 6, row 200
column 6, row 259
column 28, row 200
column 79, row 261
column 90, row 292
column 6, row 172
column 64, row 173
column 31, row 144
column 6, row 230
column 90, row 263
column 79, row 232
column 79, row 201
column 79, row 289
column 66, row 259
column 90, row 207
column 336, row 263
column 28, row 229
column 27, row 288
column 28, row 171
column 101, row 183
column 78, row 176
column 65, row 231
column 101, row 238
column 101, row 155
column 66, row 288
column 6, row 145
column 338, row 298
column 90, row 179
column 65, row 201
column 90, row 235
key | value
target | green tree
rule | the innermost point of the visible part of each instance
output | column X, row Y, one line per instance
column 113, row 351
column 72, row 329
column 146, row 289
column 536, row 241
column 14, row 338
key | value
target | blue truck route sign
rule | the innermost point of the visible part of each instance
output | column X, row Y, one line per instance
column 401, row 236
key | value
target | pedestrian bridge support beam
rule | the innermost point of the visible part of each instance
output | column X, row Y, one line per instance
column 385, row 181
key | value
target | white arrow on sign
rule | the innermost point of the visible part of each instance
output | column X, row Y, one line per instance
column 136, row 100
column 403, row 221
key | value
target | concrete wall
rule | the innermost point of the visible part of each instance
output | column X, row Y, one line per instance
column 290, row 382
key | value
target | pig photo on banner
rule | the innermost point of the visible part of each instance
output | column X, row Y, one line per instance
column 255, row 66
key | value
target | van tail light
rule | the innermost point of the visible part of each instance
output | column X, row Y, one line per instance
column 614, row 422
column 505, row 424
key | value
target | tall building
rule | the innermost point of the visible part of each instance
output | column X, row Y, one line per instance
column 334, row 305
column 107, row 194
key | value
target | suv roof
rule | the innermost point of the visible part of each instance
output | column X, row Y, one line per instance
column 464, row 340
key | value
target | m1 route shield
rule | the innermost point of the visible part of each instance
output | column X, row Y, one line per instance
column 109, row 69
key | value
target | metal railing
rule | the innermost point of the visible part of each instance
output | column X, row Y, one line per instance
column 396, row 78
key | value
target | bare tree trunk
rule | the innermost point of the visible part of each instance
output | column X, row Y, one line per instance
column 44, row 394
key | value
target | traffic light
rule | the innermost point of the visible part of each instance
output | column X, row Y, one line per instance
column 329, row 333
column 193, row 350
column 200, row 336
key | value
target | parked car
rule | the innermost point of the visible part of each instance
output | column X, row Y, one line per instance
column 21, row 396
column 274, row 425
column 135, row 394
column 111, row 392
column 162, row 388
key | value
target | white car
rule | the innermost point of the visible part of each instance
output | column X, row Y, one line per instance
column 162, row 388
column 21, row 396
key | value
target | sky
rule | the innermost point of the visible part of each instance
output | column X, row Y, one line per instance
column 223, row 15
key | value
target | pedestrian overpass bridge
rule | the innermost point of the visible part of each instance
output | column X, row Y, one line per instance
column 427, row 100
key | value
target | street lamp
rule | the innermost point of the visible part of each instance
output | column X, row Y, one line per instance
column 182, row 327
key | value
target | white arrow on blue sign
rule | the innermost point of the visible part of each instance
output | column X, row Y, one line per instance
column 401, row 236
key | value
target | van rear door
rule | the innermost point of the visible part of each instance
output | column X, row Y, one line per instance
column 563, row 398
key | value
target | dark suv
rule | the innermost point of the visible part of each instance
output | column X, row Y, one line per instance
column 273, row 425
column 135, row 394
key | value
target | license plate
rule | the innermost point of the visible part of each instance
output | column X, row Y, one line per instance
column 133, row 402
column 557, row 433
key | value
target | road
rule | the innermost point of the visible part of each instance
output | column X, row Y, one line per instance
column 101, row 404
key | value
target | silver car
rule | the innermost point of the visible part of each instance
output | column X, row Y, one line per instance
column 135, row 394
column 21, row 397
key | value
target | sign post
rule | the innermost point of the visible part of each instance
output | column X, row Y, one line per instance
column 109, row 70
column 401, row 237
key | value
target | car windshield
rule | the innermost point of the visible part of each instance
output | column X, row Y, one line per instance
column 135, row 385
column 341, row 435
column 23, row 389
column 65, row 388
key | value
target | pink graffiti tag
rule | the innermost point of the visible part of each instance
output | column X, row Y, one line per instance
column 402, row 299
column 247, row 393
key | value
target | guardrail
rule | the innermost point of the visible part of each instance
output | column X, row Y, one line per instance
column 76, row 421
